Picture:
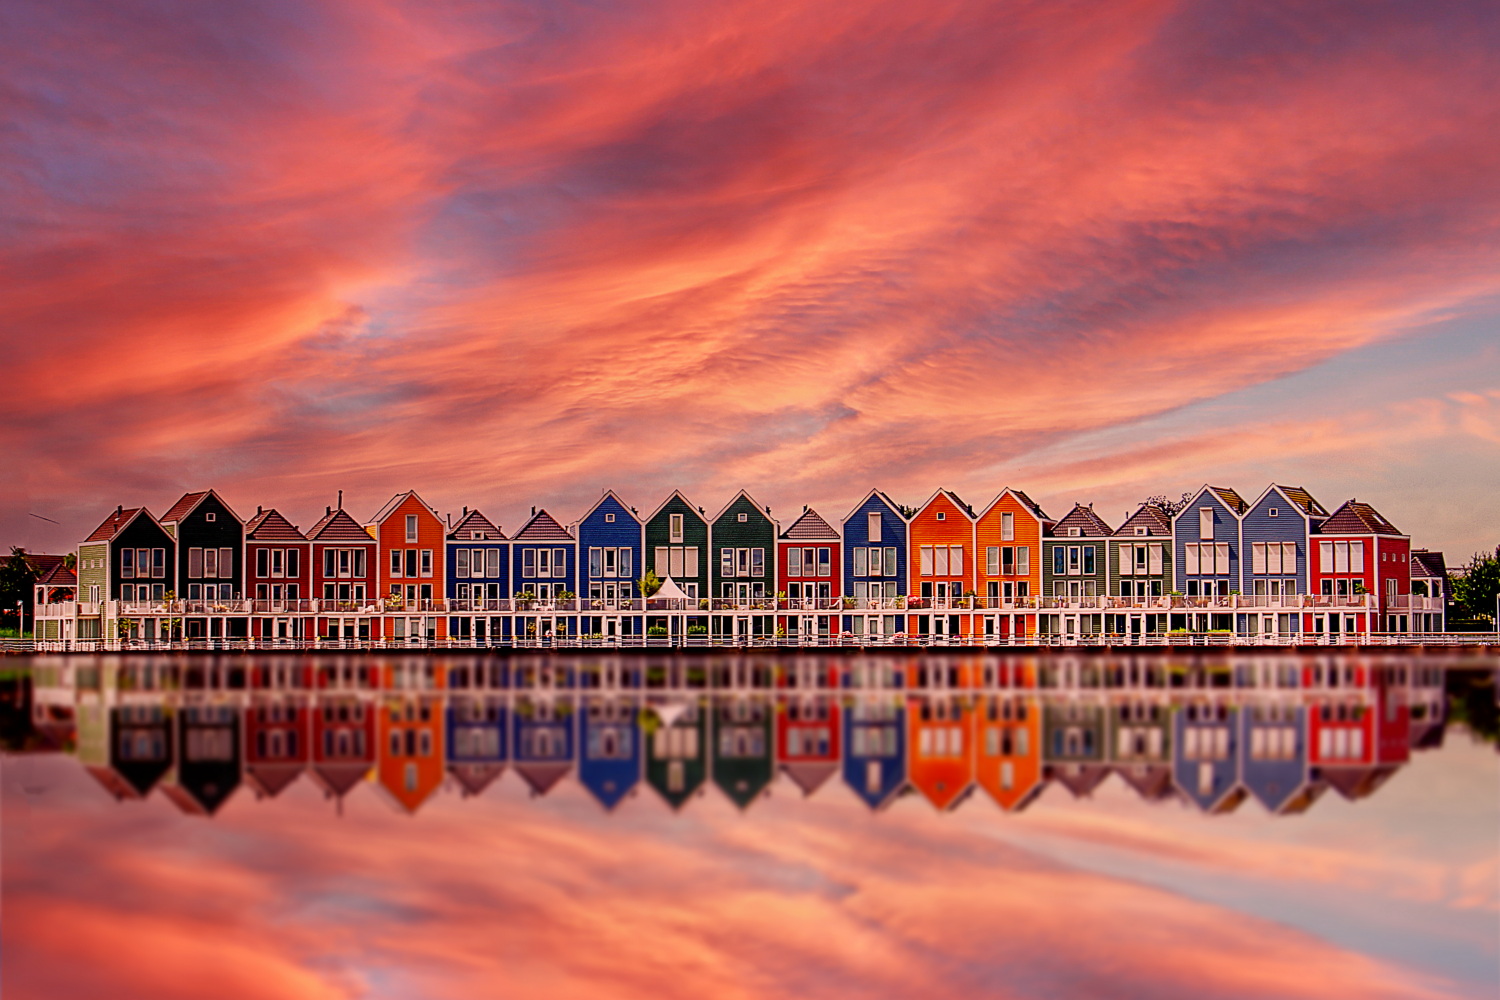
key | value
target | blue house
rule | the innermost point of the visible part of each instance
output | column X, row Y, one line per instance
column 1273, row 756
column 478, row 558
column 1206, row 555
column 1205, row 755
column 543, row 747
column 875, row 749
column 475, row 733
column 611, row 558
column 609, row 737
column 1274, row 542
column 875, row 557
column 544, row 566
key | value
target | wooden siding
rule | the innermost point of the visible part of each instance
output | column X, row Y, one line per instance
column 1289, row 525
column 1185, row 531
column 989, row 532
column 194, row 530
column 409, row 734
column 1008, row 749
column 757, row 531
column 694, row 534
column 893, row 533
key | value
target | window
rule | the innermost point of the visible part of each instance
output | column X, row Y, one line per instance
column 1059, row 560
column 942, row 515
column 794, row 562
column 1007, row 527
column 461, row 564
column 992, row 560
column 226, row 562
column 1023, row 561
column 1008, row 560
column 956, row 559
column 757, row 562
column 395, row 562
column 873, row 527
column 825, row 561
column 862, row 562
column 491, row 562
column 262, row 562
column 609, row 518
column 476, row 535
column 559, row 562
column 210, row 562
column 127, row 562
column 1088, row 560
column 743, row 518
column 210, row 517
column 411, row 527
column 158, row 563
column 1205, row 522
column 528, row 562
column 1273, row 512
column 940, row 567
column 1221, row 553
column 676, row 528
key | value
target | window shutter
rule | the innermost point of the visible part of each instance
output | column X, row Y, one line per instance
column 1190, row 558
column 1205, row 522
column 690, row 561
column 659, row 558
column 957, row 564
column 1356, row 557
column 1156, row 558
column 1325, row 557
column 926, row 559
column 1289, row 557
column 1258, row 557
column 1221, row 550
column 873, row 529
column 1127, row 559
column 940, row 566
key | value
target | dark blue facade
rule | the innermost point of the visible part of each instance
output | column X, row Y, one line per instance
column 493, row 575
column 1289, row 523
column 1273, row 755
column 543, row 731
column 1205, row 755
column 475, row 730
column 611, row 558
column 609, row 764
column 1225, row 530
column 875, row 750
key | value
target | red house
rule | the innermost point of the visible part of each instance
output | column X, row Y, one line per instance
column 278, row 566
column 278, row 741
column 1359, row 726
column 1357, row 552
column 809, row 566
column 411, row 541
column 343, row 576
column 343, row 741
column 807, row 738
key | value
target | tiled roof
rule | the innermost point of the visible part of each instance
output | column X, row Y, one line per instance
column 1084, row 519
column 1231, row 499
column 1355, row 518
column 112, row 524
column 338, row 526
column 1030, row 505
column 474, row 521
column 1150, row 517
column 270, row 526
column 1303, row 499
column 41, row 563
column 183, row 507
column 810, row 525
column 58, row 575
column 1428, row 564
column 543, row 527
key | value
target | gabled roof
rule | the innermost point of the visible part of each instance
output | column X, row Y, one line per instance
column 115, row 523
column 338, row 526
column 270, row 779
column 1303, row 499
column 1030, row 505
column 609, row 495
column 1152, row 782
column 542, row 776
column 474, row 521
column 953, row 498
column 271, row 526
column 1150, row 517
column 1085, row 520
column 885, row 499
column 812, row 526
column 1428, row 564
column 1229, row 498
column 1355, row 518
column 1080, row 779
column 543, row 527
column 810, row 775
column 189, row 502
column 397, row 501
column 677, row 494
column 734, row 499
column 59, row 575
column 474, row 778
column 337, row 777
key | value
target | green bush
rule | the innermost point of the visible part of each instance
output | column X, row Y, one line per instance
column 657, row 632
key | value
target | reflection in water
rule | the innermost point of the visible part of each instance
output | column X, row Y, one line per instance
column 1213, row 731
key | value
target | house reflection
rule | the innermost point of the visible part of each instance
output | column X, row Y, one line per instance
column 1209, row 732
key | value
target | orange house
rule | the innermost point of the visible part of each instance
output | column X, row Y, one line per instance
column 940, row 735
column 409, row 733
column 941, row 564
column 410, row 543
column 1008, row 751
column 1008, row 564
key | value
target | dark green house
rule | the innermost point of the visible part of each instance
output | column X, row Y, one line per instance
column 677, row 751
column 744, row 568
column 677, row 547
column 743, row 748
column 1075, row 573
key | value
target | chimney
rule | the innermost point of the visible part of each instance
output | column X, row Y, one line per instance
column 533, row 512
column 327, row 511
column 450, row 520
column 804, row 508
column 341, row 499
column 259, row 509
column 119, row 509
column 466, row 512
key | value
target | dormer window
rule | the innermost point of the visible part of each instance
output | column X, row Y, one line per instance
column 1273, row 512
column 210, row 516
column 609, row 519
column 1074, row 532
column 476, row 534
column 1140, row 531
column 744, row 518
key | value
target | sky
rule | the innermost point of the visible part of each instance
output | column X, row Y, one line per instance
column 1391, row 896
column 511, row 254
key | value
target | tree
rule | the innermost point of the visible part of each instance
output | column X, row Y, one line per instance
column 17, row 582
column 1167, row 507
column 648, row 584
column 1475, row 585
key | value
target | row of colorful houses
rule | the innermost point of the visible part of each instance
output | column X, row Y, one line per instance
column 1279, row 565
column 946, row 730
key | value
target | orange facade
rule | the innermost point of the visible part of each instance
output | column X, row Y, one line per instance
column 410, row 551
column 409, row 734
column 1008, row 558
column 940, row 734
column 941, row 563
column 1008, row 749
